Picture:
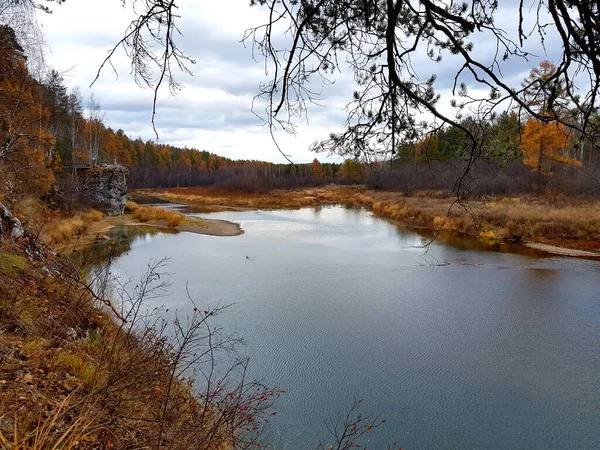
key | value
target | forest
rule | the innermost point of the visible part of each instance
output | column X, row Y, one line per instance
column 405, row 222
column 50, row 131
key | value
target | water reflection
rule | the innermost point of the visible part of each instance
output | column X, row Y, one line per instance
column 336, row 302
column 117, row 242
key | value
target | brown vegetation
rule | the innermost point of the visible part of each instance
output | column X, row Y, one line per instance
column 153, row 214
column 55, row 227
column 72, row 375
column 212, row 198
column 527, row 218
column 564, row 221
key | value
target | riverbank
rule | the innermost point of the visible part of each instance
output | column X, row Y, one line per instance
column 98, row 229
column 79, row 371
column 561, row 225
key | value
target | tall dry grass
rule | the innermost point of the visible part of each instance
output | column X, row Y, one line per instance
column 211, row 196
column 573, row 221
column 152, row 213
column 54, row 227
column 50, row 433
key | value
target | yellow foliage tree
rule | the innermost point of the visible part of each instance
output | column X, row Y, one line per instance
column 427, row 148
column 317, row 168
column 545, row 144
column 25, row 139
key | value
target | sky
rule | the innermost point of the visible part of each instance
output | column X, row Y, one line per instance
column 213, row 111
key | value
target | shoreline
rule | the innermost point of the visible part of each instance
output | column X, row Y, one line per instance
column 561, row 251
column 97, row 230
column 559, row 226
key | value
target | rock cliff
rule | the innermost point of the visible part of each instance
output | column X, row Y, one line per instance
column 103, row 188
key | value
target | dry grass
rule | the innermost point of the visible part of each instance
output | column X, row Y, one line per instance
column 46, row 437
column 11, row 264
column 75, row 377
column 52, row 226
column 154, row 214
column 212, row 197
column 130, row 206
column 527, row 218
column 562, row 221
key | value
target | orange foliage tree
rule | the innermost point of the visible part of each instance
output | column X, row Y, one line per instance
column 25, row 139
column 317, row 168
column 545, row 144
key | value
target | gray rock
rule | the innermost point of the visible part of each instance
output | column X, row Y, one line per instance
column 103, row 188
column 9, row 224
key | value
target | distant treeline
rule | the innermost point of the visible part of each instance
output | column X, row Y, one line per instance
column 46, row 134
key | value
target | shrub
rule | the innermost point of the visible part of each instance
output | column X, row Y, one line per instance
column 150, row 213
column 131, row 206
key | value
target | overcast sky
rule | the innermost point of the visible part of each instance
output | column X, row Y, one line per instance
column 213, row 110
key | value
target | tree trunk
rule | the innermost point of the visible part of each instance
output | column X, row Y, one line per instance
column 539, row 165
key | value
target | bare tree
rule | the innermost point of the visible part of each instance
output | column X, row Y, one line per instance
column 150, row 42
column 74, row 105
column 20, row 15
column 94, row 123
column 377, row 41
column 350, row 429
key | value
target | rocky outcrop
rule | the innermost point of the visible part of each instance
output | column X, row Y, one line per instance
column 103, row 188
column 9, row 225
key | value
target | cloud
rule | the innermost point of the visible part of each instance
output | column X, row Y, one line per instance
column 213, row 111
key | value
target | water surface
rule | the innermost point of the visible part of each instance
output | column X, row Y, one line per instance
column 456, row 348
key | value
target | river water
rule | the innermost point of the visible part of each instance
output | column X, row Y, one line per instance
column 456, row 347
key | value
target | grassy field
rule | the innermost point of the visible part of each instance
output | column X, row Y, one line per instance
column 560, row 221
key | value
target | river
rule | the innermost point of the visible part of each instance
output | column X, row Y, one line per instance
column 456, row 348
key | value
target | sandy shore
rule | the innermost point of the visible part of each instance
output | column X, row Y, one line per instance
column 212, row 227
column 562, row 250
column 97, row 230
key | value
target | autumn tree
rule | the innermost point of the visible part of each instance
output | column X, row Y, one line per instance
column 352, row 170
column 543, row 92
column 213, row 163
column 545, row 145
column 317, row 169
column 126, row 154
column 25, row 139
column 427, row 148
column 545, row 142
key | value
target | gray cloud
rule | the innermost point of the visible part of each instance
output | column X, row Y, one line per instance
column 213, row 111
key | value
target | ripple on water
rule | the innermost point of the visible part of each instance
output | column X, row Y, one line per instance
column 495, row 350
